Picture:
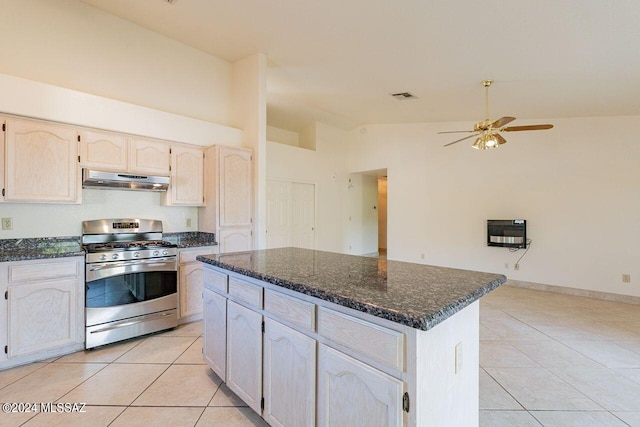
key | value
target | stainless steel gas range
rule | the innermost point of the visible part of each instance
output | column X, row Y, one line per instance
column 131, row 280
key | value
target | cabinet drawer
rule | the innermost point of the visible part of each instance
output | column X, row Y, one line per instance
column 298, row 312
column 377, row 342
column 215, row 281
column 189, row 255
column 245, row 291
column 43, row 271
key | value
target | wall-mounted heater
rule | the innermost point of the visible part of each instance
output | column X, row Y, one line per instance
column 507, row 233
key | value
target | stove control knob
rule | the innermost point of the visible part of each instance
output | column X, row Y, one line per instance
column 103, row 257
column 136, row 254
column 115, row 256
column 156, row 253
column 165, row 252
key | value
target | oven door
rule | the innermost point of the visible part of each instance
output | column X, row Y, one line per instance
column 124, row 289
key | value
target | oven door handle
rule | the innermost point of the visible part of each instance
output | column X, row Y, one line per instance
column 156, row 262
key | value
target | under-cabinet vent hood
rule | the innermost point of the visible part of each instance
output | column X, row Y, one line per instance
column 123, row 181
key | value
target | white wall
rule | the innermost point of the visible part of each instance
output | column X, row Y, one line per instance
column 45, row 101
column 576, row 185
column 66, row 61
column 55, row 220
column 283, row 136
column 326, row 167
column 249, row 112
column 70, row 44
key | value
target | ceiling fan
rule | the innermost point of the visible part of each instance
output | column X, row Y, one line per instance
column 489, row 130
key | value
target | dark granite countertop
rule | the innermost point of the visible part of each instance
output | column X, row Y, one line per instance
column 416, row 295
column 191, row 239
column 39, row 248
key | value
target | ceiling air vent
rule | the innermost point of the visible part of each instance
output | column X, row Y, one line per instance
column 400, row 96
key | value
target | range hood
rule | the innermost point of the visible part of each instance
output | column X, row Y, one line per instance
column 123, row 181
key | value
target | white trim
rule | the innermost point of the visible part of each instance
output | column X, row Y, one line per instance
column 629, row 299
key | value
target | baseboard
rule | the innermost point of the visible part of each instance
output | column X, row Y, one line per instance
column 629, row 299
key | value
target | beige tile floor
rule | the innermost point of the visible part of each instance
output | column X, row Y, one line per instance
column 557, row 360
column 545, row 359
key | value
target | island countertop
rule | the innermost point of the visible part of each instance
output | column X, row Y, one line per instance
column 416, row 295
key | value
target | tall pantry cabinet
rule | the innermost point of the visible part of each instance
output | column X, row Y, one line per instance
column 229, row 197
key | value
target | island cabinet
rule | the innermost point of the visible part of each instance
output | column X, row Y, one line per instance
column 298, row 363
column 44, row 314
column 329, row 339
column 41, row 162
column 229, row 197
column 190, row 282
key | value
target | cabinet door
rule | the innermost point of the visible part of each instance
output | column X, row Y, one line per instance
column 244, row 354
column 190, row 292
column 187, row 177
column 148, row 156
column 236, row 187
column 4, row 313
column 289, row 376
column 45, row 315
column 351, row 393
column 103, row 151
column 214, row 333
column 235, row 239
column 41, row 162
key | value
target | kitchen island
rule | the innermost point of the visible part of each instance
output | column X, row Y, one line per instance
column 309, row 337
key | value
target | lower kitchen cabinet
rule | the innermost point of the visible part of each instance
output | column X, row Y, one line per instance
column 277, row 357
column 235, row 239
column 244, row 354
column 289, row 376
column 44, row 314
column 190, row 282
column 351, row 393
column 214, row 329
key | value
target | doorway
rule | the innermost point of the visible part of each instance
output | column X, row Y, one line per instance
column 382, row 216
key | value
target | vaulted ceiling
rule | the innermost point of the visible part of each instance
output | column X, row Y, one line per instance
column 339, row 60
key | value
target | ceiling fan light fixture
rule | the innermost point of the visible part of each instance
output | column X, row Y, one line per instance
column 486, row 141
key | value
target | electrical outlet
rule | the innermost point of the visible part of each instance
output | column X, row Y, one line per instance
column 516, row 266
column 421, row 256
column 187, row 222
column 626, row 278
column 7, row 223
column 459, row 357
column 506, row 265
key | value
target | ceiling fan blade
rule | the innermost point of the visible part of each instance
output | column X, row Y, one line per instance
column 502, row 121
column 529, row 127
column 457, row 131
column 461, row 139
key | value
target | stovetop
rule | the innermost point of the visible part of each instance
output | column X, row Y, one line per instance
column 128, row 246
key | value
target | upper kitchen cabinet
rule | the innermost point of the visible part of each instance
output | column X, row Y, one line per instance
column 148, row 156
column 103, row 151
column 187, row 177
column 41, row 162
column 229, row 197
